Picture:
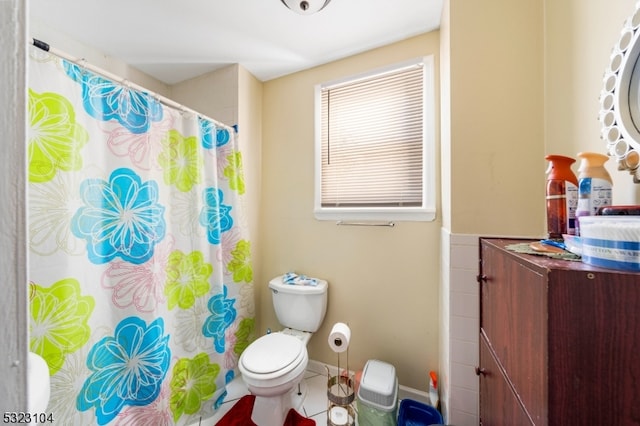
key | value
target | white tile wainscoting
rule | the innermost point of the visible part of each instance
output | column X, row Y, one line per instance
column 460, row 328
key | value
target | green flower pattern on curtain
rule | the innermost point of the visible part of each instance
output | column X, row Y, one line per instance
column 233, row 172
column 141, row 293
column 55, row 137
column 181, row 161
column 187, row 278
column 193, row 381
column 59, row 316
column 240, row 266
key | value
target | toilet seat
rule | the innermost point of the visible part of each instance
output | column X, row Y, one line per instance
column 273, row 359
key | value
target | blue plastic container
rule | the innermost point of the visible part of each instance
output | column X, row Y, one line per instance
column 414, row 413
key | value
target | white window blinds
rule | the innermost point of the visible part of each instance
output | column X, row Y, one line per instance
column 372, row 133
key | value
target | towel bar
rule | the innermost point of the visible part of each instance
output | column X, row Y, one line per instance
column 343, row 223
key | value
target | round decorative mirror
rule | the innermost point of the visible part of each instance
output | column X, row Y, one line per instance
column 620, row 99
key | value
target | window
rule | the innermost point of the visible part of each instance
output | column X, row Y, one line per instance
column 375, row 145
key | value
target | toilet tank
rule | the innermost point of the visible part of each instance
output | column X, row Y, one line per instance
column 301, row 307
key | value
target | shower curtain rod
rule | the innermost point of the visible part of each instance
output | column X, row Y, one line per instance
column 84, row 64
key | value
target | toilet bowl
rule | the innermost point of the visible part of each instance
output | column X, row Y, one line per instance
column 271, row 367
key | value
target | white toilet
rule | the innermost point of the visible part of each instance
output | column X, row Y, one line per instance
column 274, row 364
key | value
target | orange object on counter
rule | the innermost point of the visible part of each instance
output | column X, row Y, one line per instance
column 562, row 196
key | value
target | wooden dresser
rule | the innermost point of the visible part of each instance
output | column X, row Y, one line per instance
column 559, row 341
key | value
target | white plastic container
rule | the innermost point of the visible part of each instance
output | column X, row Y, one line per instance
column 378, row 394
column 594, row 186
column 611, row 241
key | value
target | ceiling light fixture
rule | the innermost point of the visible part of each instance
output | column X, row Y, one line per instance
column 306, row 7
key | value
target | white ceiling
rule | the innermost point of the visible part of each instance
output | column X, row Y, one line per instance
column 174, row 40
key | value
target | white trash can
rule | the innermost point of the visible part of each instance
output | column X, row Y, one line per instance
column 378, row 395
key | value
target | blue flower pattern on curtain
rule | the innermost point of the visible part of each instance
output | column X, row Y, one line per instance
column 121, row 217
column 215, row 216
column 127, row 368
column 222, row 316
column 105, row 100
column 140, row 273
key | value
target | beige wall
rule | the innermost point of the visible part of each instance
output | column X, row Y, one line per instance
column 383, row 281
column 250, row 131
column 214, row 94
column 495, row 52
column 579, row 38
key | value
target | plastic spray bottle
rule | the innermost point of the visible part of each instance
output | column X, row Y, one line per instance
column 434, row 396
column 562, row 196
column 594, row 185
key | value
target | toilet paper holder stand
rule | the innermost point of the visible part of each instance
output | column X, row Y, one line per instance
column 340, row 395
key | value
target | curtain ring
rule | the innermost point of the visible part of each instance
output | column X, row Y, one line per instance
column 82, row 62
column 156, row 98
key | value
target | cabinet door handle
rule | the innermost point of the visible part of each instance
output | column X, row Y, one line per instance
column 482, row 278
column 481, row 371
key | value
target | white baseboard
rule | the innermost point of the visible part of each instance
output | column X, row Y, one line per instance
column 404, row 392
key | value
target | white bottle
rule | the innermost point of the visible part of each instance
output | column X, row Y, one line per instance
column 594, row 185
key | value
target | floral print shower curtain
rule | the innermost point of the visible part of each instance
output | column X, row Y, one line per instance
column 140, row 280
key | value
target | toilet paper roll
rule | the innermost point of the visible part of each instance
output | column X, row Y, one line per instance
column 339, row 337
column 339, row 416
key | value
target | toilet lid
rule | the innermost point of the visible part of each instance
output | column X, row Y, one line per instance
column 272, row 352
